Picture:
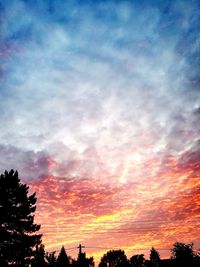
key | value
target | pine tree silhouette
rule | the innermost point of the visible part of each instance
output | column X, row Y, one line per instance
column 154, row 257
column 62, row 260
column 17, row 228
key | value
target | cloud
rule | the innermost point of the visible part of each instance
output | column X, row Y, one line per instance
column 153, row 212
column 100, row 114
column 31, row 165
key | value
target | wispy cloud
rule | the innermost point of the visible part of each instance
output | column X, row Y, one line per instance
column 100, row 109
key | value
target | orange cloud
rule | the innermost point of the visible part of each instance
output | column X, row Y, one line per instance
column 157, row 210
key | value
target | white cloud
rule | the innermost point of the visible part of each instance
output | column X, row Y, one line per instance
column 113, row 84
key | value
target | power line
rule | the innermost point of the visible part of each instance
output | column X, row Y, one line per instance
column 112, row 248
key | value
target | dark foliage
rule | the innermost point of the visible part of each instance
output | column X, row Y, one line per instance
column 62, row 260
column 114, row 258
column 184, row 255
column 51, row 259
column 17, row 228
column 154, row 257
column 39, row 257
column 137, row 260
column 84, row 261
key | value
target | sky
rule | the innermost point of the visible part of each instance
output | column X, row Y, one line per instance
column 100, row 115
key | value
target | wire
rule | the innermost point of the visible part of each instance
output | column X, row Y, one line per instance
column 115, row 248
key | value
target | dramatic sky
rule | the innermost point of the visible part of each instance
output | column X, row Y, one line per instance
column 100, row 114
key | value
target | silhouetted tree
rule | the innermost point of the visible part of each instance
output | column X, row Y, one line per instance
column 167, row 263
column 183, row 254
column 51, row 258
column 154, row 257
column 90, row 262
column 83, row 260
column 39, row 257
column 62, row 260
column 137, row 260
column 17, row 228
column 73, row 263
column 114, row 258
column 197, row 258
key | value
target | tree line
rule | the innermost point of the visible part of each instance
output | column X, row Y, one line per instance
column 21, row 245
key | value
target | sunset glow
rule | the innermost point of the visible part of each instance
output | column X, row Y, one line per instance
column 100, row 115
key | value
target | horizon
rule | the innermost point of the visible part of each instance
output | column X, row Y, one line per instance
column 100, row 115
column 129, row 253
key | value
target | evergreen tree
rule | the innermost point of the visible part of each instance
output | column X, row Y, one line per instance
column 154, row 257
column 84, row 261
column 17, row 228
column 62, row 260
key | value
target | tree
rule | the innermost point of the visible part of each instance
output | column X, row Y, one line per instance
column 84, row 261
column 62, row 260
column 51, row 258
column 39, row 257
column 183, row 254
column 137, row 260
column 114, row 258
column 154, row 257
column 17, row 228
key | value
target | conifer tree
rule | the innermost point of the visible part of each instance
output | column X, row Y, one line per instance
column 17, row 228
column 62, row 260
column 154, row 257
column 84, row 261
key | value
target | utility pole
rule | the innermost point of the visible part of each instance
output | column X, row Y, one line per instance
column 80, row 249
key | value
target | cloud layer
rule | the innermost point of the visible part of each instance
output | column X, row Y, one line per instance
column 100, row 111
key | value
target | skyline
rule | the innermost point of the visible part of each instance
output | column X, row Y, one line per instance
column 100, row 114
